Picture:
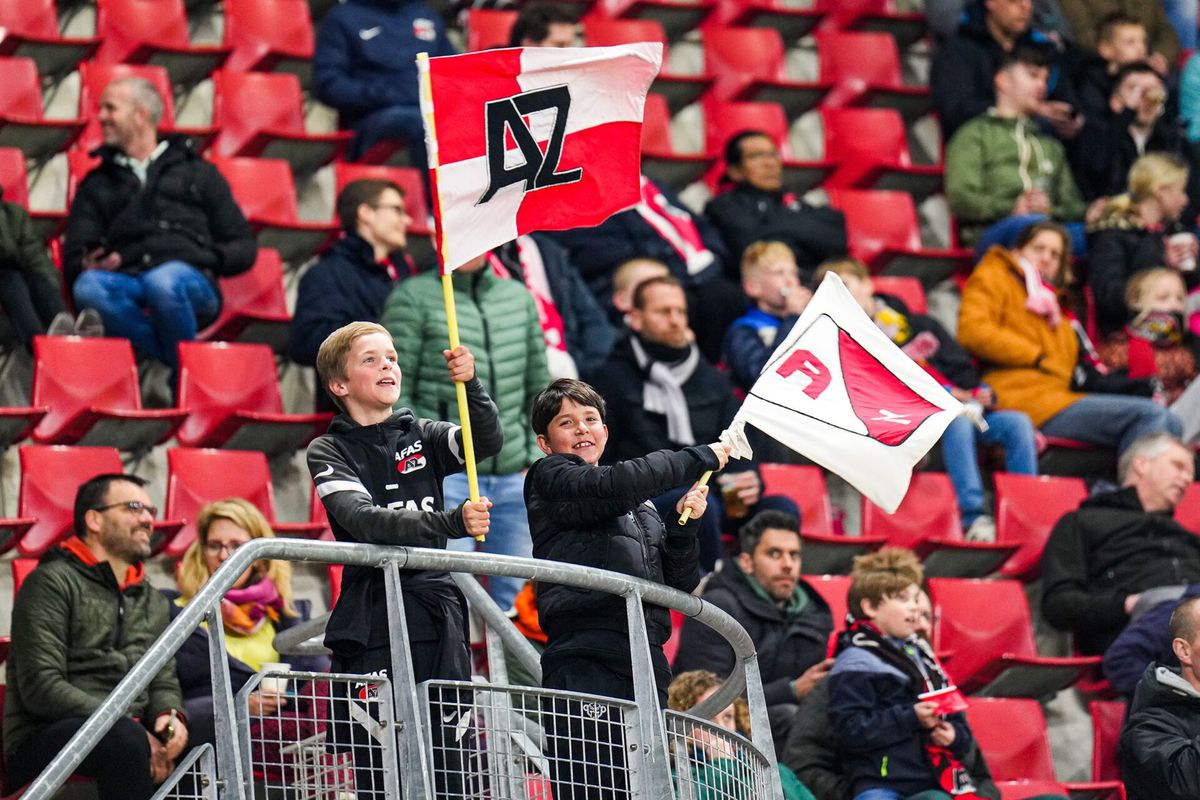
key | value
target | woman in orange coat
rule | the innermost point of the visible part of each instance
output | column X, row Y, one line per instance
column 1029, row 348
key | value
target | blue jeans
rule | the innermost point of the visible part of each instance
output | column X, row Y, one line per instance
column 1005, row 232
column 179, row 299
column 509, row 532
column 1111, row 420
column 1010, row 429
column 394, row 122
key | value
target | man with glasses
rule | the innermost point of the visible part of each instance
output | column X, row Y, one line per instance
column 80, row 621
column 354, row 276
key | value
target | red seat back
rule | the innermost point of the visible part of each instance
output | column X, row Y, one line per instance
column 1012, row 735
column 32, row 18
column 95, row 76
column 929, row 510
column 209, row 394
column 256, row 29
column 873, row 135
column 855, row 60
column 601, row 32
column 738, row 56
column 978, row 621
column 263, row 187
column 833, row 589
column 21, row 89
column 125, row 25
column 906, row 287
column 248, row 103
column 71, row 374
column 21, row 567
column 407, row 178
column 1107, row 718
column 656, row 126
column 258, row 289
column 1187, row 513
column 50, row 477
column 877, row 220
column 14, row 179
column 1027, row 508
column 200, row 476
column 806, row 486
column 488, row 28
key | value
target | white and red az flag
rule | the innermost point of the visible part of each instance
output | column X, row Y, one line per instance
column 839, row 392
column 537, row 138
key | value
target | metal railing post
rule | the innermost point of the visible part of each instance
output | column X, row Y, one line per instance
column 410, row 756
column 649, row 762
column 760, row 724
column 234, row 780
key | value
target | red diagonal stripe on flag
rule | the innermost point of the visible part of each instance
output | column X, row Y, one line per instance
column 885, row 404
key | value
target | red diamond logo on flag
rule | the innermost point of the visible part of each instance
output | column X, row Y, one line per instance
column 885, row 404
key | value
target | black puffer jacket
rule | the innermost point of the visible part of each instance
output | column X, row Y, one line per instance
column 1160, row 757
column 185, row 211
column 1105, row 551
column 786, row 646
column 598, row 517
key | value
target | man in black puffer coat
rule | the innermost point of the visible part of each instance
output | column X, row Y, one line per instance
column 151, row 229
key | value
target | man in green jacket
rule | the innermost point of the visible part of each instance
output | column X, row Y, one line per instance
column 1001, row 166
column 80, row 621
column 498, row 321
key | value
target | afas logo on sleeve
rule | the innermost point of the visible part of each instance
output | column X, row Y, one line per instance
column 410, row 459
column 424, row 29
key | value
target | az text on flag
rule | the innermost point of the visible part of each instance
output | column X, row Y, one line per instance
column 537, row 138
column 839, row 392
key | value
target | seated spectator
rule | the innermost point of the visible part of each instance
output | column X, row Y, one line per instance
column 716, row 762
column 1156, row 342
column 1133, row 232
column 1101, row 558
column 810, row 750
column 352, row 279
column 927, row 343
column 877, row 690
column 960, row 76
column 1031, row 354
column 771, row 279
column 257, row 608
column 626, row 279
column 1137, row 122
column 786, row 618
column 944, row 17
column 667, row 395
column 364, row 66
column 661, row 228
column 151, row 229
column 1085, row 16
column 757, row 208
column 544, row 25
column 1158, row 742
column 30, row 286
column 1120, row 41
column 1000, row 167
column 1146, row 640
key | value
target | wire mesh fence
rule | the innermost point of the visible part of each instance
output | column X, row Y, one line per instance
column 714, row 763
column 193, row 778
column 318, row 736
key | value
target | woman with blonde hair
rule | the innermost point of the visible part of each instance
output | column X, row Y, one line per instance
column 254, row 610
column 1138, row 230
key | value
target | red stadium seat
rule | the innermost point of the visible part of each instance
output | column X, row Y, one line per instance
column 749, row 65
column 21, row 567
column 870, row 148
column 253, row 306
column 30, row 28
column 878, row 16
column 197, row 477
column 15, row 182
column 722, row 121
column 91, row 388
column 265, row 190
column 660, row 160
column 271, row 35
column 833, row 589
column 1107, row 718
column 1027, row 507
column 865, row 71
column 17, row 422
column 245, row 413
column 420, row 229
column 1011, row 733
column 260, row 114
column 154, row 32
column 883, row 232
column 679, row 90
column 791, row 22
column 928, row 522
column 988, row 630
column 824, row 553
column 1187, row 513
column 95, row 76
column 908, row 289
column 677, row 17
column 488, row 28
column 22, row 122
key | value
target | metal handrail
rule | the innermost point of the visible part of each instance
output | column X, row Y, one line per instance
column 206, row 603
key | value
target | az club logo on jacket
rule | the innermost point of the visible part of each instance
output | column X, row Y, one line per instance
column 410, row 459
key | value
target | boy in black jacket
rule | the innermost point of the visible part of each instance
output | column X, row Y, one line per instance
column 594, row 516
column 379, row 475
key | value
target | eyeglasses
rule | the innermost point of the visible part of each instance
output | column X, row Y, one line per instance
column 134, row 507
column 216, row 548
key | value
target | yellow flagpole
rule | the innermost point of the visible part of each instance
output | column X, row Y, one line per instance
column 687, row 512
column 460, row 388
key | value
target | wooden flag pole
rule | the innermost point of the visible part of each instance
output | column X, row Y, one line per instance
column 687, row 512
column 460, row 388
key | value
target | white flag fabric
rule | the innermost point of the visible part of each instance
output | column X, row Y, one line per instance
column 839, row 392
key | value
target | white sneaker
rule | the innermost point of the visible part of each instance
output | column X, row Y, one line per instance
column 983, row 529
column 63, row 324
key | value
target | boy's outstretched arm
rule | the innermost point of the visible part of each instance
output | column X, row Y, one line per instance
column 486, row 433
